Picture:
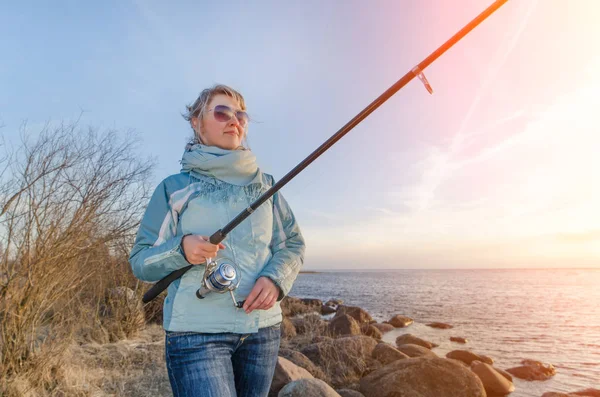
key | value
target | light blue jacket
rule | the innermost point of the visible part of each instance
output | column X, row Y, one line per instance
column 203, row 198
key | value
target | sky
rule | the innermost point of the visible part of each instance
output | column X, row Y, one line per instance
column 497, row 169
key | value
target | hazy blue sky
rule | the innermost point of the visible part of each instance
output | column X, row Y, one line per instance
column 499, row 168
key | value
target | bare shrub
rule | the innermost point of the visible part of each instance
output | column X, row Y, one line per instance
column 70, row 203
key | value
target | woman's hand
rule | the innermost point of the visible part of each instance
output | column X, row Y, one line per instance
column 197, row 248
column 263, row 295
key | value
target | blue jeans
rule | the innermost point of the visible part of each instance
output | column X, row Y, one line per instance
column 222, row 365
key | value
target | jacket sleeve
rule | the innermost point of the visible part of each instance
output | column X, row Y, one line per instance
column 287, row 247
column 156, row 251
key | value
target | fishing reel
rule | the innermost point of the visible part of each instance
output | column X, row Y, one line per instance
column 220, row 278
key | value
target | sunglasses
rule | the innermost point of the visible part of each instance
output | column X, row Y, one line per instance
column 224, row 113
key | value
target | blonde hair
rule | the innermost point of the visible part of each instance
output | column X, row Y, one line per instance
column 199, row 107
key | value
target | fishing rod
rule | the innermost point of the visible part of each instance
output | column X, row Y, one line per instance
column 225, row 278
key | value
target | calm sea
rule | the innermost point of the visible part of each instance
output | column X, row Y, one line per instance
column 550, row 315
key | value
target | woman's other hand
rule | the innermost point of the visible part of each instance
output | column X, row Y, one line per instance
column 263, row 295
column 197, row 248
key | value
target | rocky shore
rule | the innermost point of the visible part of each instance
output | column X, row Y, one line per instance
column 331, row 349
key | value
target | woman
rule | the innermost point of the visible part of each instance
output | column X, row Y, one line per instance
column 212, row 347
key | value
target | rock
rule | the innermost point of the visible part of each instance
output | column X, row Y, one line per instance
column 467, row 357
column 291, row 306
column 370, row 330
column 486, row 359
column 316, row 303
column 439, row 325
column 386, row 353
column 493, row 382
column 458, row 339
column 288, row 330
column 360, row 315
column 327, row 309
column 504, row 373
column 533, row 370
column 416, row 351
column 422, row 377
column 286, row 372
column 343, row 325
column 371, row 365
column 308, row 388
column 383, row 327
column 399, row 321
column 334, row 302
column 349, row 393
column 304, row 362
column 320, row 338
column 345, row 359
column 310, row 323
column 406, row 339
column 347, row 348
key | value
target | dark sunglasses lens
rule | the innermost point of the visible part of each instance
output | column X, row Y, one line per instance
column 242, row 118
column 223, row 113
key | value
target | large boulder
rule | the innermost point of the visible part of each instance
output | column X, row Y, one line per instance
column 386, row 353
column 533, row 370
column 458, row 339
column 311, row 323
column 288, row 330
column 321, row 338
column 343, row 325
column 334, row 303
column 286, row 372
column 349, row 393
column 416, row 351
column 304, row 362
column 493, row 381
column 345, row 359
column 370, row 330
column 399, row 321
column 315, row 304
column 422, row 377
column 406, row 339
column 468, row 357
column 308, row 388
column 504, row 373
column 291, row 306
column 359, row 314
column 325, row 309
column 383, row 327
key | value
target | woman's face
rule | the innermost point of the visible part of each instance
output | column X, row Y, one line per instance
column 223, row 134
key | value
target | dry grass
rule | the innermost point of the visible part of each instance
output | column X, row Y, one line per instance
column 132, row 367
column 70, row 202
